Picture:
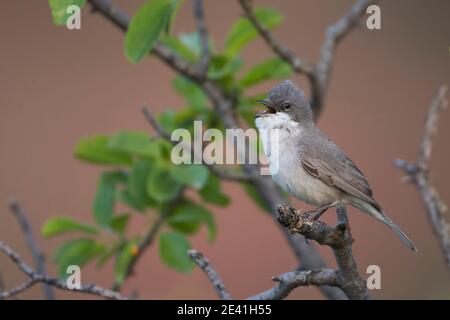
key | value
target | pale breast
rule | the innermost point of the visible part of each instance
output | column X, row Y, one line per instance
column 287, row 171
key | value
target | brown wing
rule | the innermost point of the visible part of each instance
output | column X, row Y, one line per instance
column 343, row 174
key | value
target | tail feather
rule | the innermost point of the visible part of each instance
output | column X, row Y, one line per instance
column 380, row 216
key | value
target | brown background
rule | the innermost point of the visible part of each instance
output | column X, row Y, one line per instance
column 58, row 85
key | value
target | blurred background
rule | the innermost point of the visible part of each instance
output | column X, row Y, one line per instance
column 58, row 85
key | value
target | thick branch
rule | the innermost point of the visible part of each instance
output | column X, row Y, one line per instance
column 36, row 252
column 291, row 280
column 203, row 263
column 418, row 173
column 338, row 238
column 35, row 277
column 202, row 30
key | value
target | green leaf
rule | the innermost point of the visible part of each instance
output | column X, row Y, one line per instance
column 273, row 68
column 145, row 27
column 161, row 186
column 191, row 92
column 95, row 149
column 177, row 46
column 222, row 66
column 242, row 31
column 134, row 142
column 173, row 248
column 136, row 193
column 176, row 8
column 212, row 193
column 188, row 216
column 60, row 225
column 194, row 175
column 123, row 259
column 103, row 206
column 251, row 191
column 59, row 9
column 120, row 222
column 192, row 41
column 76, row 252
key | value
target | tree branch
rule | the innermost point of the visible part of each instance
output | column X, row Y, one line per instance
column 291, row 280
column 333, row 36
column 122, row 20
column 202, row 30
column 338, row 238
column 35, row 277
column 418, row 173
column 283, row 51
column 36, row 252
column 203, row 263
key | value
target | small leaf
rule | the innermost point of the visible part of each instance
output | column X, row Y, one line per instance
column 134, row 142
column 177, row 46
column 103, row 206
column 120, row 222
column 76, row 252
column 60, row 225
column 188, row 216
column 136, row 192
column 161, row 186
column 145, row 27
column 106, row 254
column 59, row 9
column 95, row 149
column 123, row 260
column 273, row 68
column 223, row 66
column 242, row 31
column 212, row 193
column 173, row 248
column 194, row 175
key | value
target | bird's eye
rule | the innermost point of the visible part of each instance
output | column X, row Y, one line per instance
column 286, row 106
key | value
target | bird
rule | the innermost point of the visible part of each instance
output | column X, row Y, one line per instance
column 307, row 164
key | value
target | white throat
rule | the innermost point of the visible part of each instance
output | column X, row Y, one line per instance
column 277, row 132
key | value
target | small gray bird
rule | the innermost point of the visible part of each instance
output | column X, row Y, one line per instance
column 309, row 165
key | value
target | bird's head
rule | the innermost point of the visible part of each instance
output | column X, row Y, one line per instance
column 284, row 103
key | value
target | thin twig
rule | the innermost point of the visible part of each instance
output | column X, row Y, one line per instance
column 338, row 238
column 333, row 36
column 34, row 276
column 202, row 30
column 36, row 252
column 203, row 263
column 16, row 290
column 291, row 280
column 220, row 172
column 418, row 173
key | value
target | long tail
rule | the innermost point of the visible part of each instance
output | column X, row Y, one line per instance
column 380, row 216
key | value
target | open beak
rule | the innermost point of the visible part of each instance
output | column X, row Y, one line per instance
column 267, row 111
